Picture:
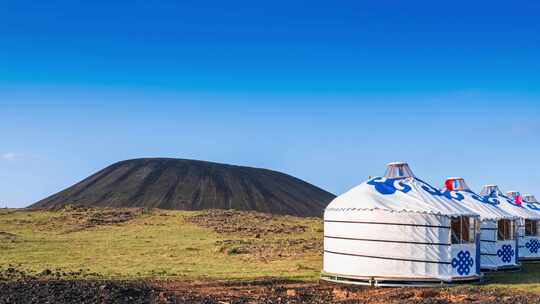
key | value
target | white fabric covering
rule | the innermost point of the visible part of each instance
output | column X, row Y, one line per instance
column 416, row 199
column 396, row 228
column 531, row 202
column 507, row 204
column 526, row 244
column 485, row 210
column 494, row 252
column 529, row 198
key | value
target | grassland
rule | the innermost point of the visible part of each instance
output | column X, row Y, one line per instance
column 156, row 244
column 178, row 244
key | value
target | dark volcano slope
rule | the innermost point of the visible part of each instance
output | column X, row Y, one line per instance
column 192, row 185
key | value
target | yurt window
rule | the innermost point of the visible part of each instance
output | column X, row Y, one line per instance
column 505, row 230
column 463, row 230
column 531, row 228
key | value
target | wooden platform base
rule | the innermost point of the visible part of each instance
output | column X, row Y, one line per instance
column 397, row 282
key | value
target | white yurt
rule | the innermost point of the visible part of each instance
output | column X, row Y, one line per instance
column 498, row 228
column 399, row 230
column 532, row 245
column 531, row 202
column 528, row 237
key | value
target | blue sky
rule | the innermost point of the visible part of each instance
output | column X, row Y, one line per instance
column 329, row 92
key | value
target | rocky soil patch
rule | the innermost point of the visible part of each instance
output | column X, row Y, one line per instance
column 275, row 291
column 261, row 250
column 85, row 218
column 255, row 235
column 269, row 291
column 66, row 291
column 73, row 219
column 8, row 237
column 15, row 273
column 244, row 223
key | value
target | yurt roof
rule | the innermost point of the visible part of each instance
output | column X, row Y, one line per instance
column 529, row 198
column 485, row 207
column 508, row 204
column 531, row 202
column 399, row 194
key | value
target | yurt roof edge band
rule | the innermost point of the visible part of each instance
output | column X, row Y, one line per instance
column 405, row 211
column 428, row 225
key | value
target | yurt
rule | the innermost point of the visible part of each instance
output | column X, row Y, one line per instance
column 498, row 228
column 531, row 227
column 531, row 202
column 528, row 237
column 397, row 230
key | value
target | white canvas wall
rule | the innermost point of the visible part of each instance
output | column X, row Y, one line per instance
column 494, row 253
column 377, row 243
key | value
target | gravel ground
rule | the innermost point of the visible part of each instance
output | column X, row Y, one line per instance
column 83, row 291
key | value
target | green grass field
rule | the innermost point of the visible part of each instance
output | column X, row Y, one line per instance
column 528, row 279
column 167, row 244
column 160, row 244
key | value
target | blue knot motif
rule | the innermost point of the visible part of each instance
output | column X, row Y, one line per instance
column 506, row 253
column 463, row 262
column 533, row 246
column 388, row 186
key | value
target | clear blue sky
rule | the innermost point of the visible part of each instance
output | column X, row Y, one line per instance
column 328, row 91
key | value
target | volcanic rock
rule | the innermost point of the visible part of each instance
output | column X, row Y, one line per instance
column 192, row 185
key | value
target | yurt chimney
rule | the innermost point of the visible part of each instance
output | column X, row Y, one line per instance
column 529, row 198
column 490, row 190
column 531, row 202
column 515, row 196
column 456, row 184
column 398, row 170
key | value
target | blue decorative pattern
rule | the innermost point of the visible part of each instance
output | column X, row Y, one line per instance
column 436, row 192
column 503, row 197
column 533, row 207
column 513, row 202
column 388, row 186
column 494, row 198
column 533, row 246
column 453, row 195
column 485, row 199
column 506, row 253
column 463, row 262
